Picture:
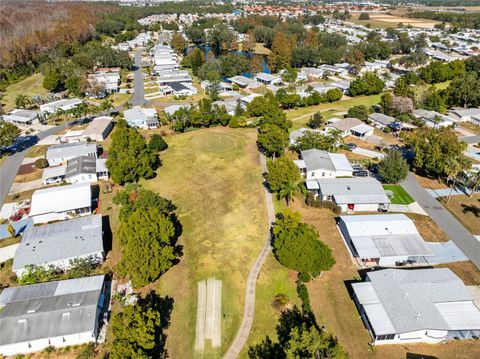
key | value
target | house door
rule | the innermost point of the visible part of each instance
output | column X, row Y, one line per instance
column 351, row 206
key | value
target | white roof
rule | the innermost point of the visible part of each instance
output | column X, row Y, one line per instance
column 54, row 171
column 361, row 190
column 460, row 315
column 363, row 128
column 61, row 199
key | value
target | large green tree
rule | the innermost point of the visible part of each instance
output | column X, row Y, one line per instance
column 272, row 140
column 436, row 149
column 8, row 133
column 148, row 246
column 280, row 172
column 368, row 84
column 129, row 157
column 465, row 90
column 393, row 168
column 296, row 245
column 138, row 329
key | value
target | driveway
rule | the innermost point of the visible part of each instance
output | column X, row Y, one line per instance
column 138, row 92
column 368, row 153
column 19, row 187
column 464, row 240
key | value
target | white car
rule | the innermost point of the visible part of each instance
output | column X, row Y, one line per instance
column 53, row 180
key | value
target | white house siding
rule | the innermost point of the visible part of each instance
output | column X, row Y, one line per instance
column 63, row 264
column 419, row 336
column 60, row 216
column 40, row 344
column 59, row 160
column 320, row 173
column 359, row 207
column 83, row 178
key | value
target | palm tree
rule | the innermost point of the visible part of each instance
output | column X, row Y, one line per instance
column 106, row 105
column 289, row 190
column 474, row 182
column 22, row 101
column 454, row 167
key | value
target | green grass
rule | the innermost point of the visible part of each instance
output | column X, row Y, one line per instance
column 214, row 177
column 30, row 86
column 301, row 116
column 400, row 196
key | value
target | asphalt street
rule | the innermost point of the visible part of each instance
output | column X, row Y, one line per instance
column 139, row 92
column 464, row 240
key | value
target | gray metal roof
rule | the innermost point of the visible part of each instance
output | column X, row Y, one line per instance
column 410, row 300
column 71, row 150
column 317, row 159
column 42, row 245
column 49, row 310
column 353, row 190
column 81, row 165
column 381, row 118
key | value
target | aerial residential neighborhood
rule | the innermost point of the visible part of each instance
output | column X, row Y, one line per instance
column 239, row 179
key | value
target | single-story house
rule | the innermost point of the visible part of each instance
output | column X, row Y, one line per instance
column 85, row 169
column 296, row 134
column 54, row 174
column 59, row 314
column 245, row 100
column 141, row 117
column 349, row 127
column 268, row 79
column 57, row 244
column 322, row 164
column 60, row 203
column 98, row 129
column 108, row 79
column 467, row 114
column 381, row 120
column 229, row 105
column 182, row 89
column 63, row 105
column 57, row 154
column 400, row 306
column 432, row 118
column 243, row 82
column 342, row 85
column 170, row 110
column 72, row 136
column 220, row 86
column 22, row 117
column 361, row 194
column 174, row 76
column 322, row 89
column 384, row 240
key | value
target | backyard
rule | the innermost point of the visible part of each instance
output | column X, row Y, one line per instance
column 214, row 178
column 30, row 86
column 399, row 195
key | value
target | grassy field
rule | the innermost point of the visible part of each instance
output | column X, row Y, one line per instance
column 384, row 21
column 400, row 196
column 301, row 116
column 215, row 179
column 334, row 308
column 30, row 86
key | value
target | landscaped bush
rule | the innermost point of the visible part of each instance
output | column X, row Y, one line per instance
column 41, row 163
column 304, row 277
column 157, row 143
column 315, row 201
column 304, row 297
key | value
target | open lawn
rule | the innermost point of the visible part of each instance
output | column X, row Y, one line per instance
column 400, row 196
column 37, row 151
column 214, row 178
column 30, row 86
column 334, row 308
column 467, row 211
column 427, row 228
column 301, row 116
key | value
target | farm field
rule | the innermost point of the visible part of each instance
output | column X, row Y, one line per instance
column 214, row 178
column 30, row 86
column 385, row 20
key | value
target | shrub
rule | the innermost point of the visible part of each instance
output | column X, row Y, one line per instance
column 387, row 129
column 337, row 210
column 304, row 297
column 41, row 163
column 304, row 277
column 157, row 143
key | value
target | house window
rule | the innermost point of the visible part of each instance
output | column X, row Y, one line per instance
column 313, row 174
column 323, row 174
column 385, row 337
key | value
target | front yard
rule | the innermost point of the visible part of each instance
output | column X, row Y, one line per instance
column 400, row 196
column 467, row 211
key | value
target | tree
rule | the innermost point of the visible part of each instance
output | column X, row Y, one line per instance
column 402, row 105
column 249, row 41
column 148, row 246
column 281, row 55
column 256, row 64
column 368, row 84
column 360, row 112
column 465, row 90
column 474, row 183
column 234, row 64
column 289, row 189
column 290, row 74
column 364, row 16
column 157, row 143
column 129, row 158
column 138, row 329
column 316, row 120
column 178, row 43
column 8, row 133
column 296, row 245
column 280, row 172
column 22, row 100
column 52, row 79
column 435, row 150
column 272, row 140
column 106, row 105
column 73, row 84
column 333, row 95
column 316, row 140
column 393, row 168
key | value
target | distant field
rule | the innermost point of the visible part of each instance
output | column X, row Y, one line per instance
column 385, row 20
column 30, row 86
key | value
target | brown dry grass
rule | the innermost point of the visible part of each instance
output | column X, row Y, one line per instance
column 426, row 182
column 471, row 127
column 428, row 229
column 467, row 211
column 36, row 174
column 334, row 308
column 19, row 196
column 360, row 143
column 7, row 277
column 388, row 138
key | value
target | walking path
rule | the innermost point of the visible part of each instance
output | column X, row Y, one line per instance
column 249, row 308
column 464, row 240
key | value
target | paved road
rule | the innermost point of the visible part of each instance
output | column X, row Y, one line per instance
column 249, row 308
column 138, row 92
column 464, row 240
column 10, row 167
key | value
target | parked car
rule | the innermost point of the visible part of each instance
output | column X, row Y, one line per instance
column 360, row 173
column 53, row 180
column 351, row 146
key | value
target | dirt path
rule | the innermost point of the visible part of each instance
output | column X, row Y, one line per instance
column 249, row 308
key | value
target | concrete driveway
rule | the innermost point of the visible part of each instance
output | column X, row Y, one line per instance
column 368, row 153
column 19, row 187
column 464, row 240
